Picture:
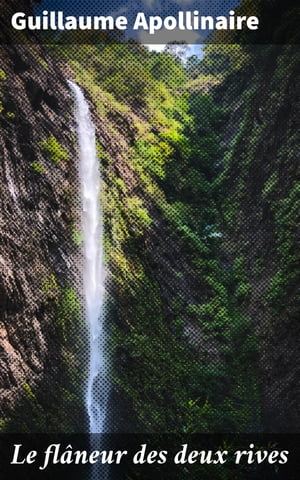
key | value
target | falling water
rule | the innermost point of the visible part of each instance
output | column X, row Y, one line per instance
column 93, row 271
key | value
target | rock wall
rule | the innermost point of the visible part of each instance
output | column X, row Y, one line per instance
column 261, row 216
column 38, row 217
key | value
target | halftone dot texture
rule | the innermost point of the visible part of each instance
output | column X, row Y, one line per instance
column 153, row 22
column 199, row 199
column 201, row 240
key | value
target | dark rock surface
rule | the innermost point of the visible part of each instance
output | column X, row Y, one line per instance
column 262, row 172
column 38, row 207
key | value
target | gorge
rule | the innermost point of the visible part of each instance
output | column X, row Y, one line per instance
column 201, row 328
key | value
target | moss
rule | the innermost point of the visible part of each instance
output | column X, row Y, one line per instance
column 29, row 392
column 43, row 63
column 243, row 290
column 37, row 167
column 276, row 289
column 37, row 413
column 121, row 184
column 138, row 214
column 54, row 150
column 2, row 74
column 50, row 286
column 77, row 237
column 4, row 422
column 270, row 184
column 68, row 311
column 258, row 266
column 142, row 128
column 104, row 158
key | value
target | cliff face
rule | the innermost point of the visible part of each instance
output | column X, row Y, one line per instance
column 40, row 258
column 200, row 231
column 261, row 217
column 38, row 186
column 150, row 274
column 180, row 346
column 43, row 359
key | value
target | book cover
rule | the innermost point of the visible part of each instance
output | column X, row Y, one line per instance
column 149, row 239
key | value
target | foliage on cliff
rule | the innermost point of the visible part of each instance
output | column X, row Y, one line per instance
column 261, row 215
column 41, row 327
column 184, row 353
column 200, row 204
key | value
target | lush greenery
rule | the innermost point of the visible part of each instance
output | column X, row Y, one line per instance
column 190, row 351
column 200, row 209
column 37, row 411
column 54, row 150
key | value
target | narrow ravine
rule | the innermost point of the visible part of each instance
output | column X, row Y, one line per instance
column 97, row 387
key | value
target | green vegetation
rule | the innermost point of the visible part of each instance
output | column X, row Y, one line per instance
column 28, row 391
column 43, row 63
column 54, row 150
column 77, row 238
column 181, row 362
column 37, row 410
column 68, row 311
column 2, row 74
column 200, row 229
column 50, row 286
column 37, row 167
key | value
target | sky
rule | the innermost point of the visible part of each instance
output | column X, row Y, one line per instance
column 130, row 8
column 159, row 7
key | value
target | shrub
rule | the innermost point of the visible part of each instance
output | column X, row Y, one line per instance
column 36, row 167
column 54, row 150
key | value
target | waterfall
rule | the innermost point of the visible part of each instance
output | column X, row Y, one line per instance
column 93, row 268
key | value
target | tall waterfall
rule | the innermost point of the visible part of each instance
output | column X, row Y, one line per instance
column 93, row 269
